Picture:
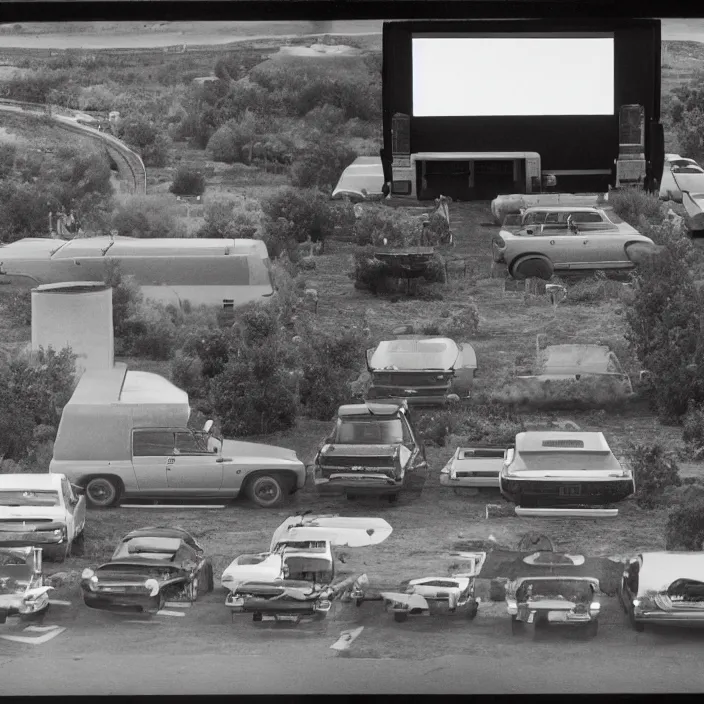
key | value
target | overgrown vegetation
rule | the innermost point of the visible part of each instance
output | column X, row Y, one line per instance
column 655, row 470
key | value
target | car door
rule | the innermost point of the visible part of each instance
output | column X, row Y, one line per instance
column 414, row 444
column 556, row 241
column 151, row 450
column 192, row 469
column 598, row 246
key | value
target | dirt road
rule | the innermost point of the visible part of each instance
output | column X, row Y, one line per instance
column 201, row 652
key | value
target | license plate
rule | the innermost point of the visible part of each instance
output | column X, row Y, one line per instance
column 556, row 616
column 570, row 490
column 286, row 618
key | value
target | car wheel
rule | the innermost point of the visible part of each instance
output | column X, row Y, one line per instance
column 472, row 614
column 400, row 617
column 60, row 553
column 517, row 627
column 532, row 267
column 102, row 492
column 193, row 590
column 266, row 491
column 79, row 544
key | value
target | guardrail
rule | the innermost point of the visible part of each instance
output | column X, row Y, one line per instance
column 114, row 146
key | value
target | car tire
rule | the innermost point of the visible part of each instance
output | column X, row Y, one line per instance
column 472, row 613
column 400, row 617
column 61, row 553
column 532, row 267
column 266, row 491
column 79, row 544
column 640, row 252
column 102, row 492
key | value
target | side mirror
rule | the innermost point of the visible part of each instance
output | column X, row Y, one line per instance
column 78, row 490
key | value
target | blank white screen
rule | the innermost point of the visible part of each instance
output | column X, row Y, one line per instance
column 472, row 76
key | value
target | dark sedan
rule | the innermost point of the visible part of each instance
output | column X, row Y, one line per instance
column 149, row 567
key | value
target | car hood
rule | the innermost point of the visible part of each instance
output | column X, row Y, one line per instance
column 573, row 475
column 355, row 450
column 133, row 566
column 27, row 513
column 241, row 452
column 266, row 571
column 340, row 531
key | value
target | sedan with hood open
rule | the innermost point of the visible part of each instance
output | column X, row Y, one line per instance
column 149, row 567
column 371, row 450
column 22, row 589
column 297, row 579
column 664, row 588
column 558, row 600
column 421, row 370
column 564, row 470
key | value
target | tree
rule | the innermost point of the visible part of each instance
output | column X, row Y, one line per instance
column 321, row 165
column 146, row 216
column 188, row 182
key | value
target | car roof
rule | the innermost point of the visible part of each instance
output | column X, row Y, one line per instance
column 370, row 409
column 564, row 208
column 660, row 569
column 156, row 532
column 415, row 355
column 561, row 441
column 46, row 481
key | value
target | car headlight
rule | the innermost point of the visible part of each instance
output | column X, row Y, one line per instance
column 594, row 606
column 89, row 576
column 153, row 586
column 512, row 607
column 446, row 468
column 58, row 532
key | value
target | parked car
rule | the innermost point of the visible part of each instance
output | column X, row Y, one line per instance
column 149, row 567
column 544, row 240
column 577, row 363
column 125, row 434
column 372, row 449
column 421, row 370
column 564, row 469
column 437, row 595
column 22, row 588
column 297, row 579
column 474, row 467
column 41, row 510
column 683, row 182
column 665, row 588
column 555, row 600
column 516, row 203
column 362, row 180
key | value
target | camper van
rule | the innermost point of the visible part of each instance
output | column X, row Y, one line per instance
column 226, row 273
column 125, row 434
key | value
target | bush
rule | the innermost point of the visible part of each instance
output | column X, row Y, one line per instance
column 321, row 165
column 150, row 333
column 654, row 470
column 212, row 348
column 188, row 182
column 589, row 392
column 326, row 118
column 685, row 527
column 33, row 391
column 126, row 298
column 222, row 220
column 630, row 204
column 187, row 374
column 146, row 216
column 435, row 271
column 693, row 431
column 145, row 137
column 24, row 211
column 8, row 153
column 663, row 328
column 253, row 395
column 381, row 226
column 17, row 306
column 372, row 274
column 223, row 146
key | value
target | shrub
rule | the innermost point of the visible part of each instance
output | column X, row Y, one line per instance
column 34, row 87
column 33, row 391
column 223, row 146
column 372, row 274
column 685, row 527
column 253, row 395
column 188, row 182
column 8, row 153
column 325, row 118
column 383, row 227
column 24, row 211
column 222, row 220
column 435, row 271
column 17, row 306
column 257, row 322
column 98, row 97
column 187, row 374
column 146, row 216
column 663, row 328
column 150, row 332
column 589, row 392
column 321, row 165
column 212, row 348
column 126, row 298
column 631, row 203
column 145, row 136
column 654, row 470
column 693, row 431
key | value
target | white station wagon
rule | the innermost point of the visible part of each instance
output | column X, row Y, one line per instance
column 546, row 239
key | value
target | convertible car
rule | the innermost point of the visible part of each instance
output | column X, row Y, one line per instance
column 544, row 240
column 435, row 595
column 555, row 600
column 683, row 182
column 22, row 589
column 296, row 580
column 149, row 567
column 665, row 588
column 564, row 470
column 422, row 370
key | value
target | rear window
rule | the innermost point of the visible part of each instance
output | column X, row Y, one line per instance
column 370, row 431
column 563, row 443
column 29, row 498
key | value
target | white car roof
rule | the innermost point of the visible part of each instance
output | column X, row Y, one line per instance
column 561, row 441
column 660, row 569
column 9, row 482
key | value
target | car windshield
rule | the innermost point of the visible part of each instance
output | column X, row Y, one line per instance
column 20, row 497
column 685, row 590
column 372, row 431
column 309, row 569
column 562, row 589
column 152, row 548
column 11, row 559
